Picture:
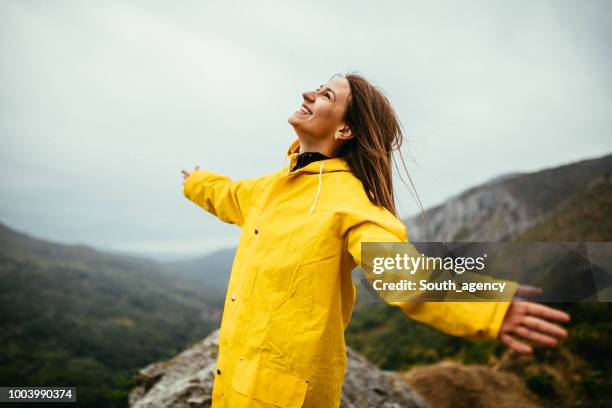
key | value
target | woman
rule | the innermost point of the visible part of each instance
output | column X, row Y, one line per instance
column 290, row 293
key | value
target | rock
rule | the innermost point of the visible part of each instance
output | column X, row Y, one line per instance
column 452, row 385
column 183, row 381
column 366, row 386
column 187, row 379
column 493, row 212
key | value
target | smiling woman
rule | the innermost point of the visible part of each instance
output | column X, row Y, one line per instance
column 291, row 294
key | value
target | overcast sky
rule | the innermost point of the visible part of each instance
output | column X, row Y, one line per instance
column 103, row 102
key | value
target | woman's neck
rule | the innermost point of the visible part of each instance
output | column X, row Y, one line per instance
column 323, row 148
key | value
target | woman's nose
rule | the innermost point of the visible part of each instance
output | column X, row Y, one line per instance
column 308, row 95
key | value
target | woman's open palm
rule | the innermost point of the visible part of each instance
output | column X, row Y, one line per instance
column 532, row 321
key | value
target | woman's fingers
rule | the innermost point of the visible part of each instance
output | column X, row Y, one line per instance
column 545, row 312
column 536, row 337
column 545, row 327
column 532, row 322
column 515, row 344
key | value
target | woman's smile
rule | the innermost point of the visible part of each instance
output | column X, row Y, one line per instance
column 304, row 110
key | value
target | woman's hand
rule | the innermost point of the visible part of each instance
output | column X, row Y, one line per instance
column 532, row 321
column 187, row 174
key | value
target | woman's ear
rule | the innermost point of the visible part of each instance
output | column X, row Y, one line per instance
column 343, row 133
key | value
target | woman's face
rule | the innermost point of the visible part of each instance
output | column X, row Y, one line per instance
column 321, row 114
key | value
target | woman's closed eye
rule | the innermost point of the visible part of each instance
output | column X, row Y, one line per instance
column 328, row 94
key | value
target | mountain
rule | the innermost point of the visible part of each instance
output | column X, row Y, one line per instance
column 585, row 217
column 507, row 205
column 211, row 270
column 70, row 314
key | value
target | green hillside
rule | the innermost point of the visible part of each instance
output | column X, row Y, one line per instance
column 586, row 217
column 70, row 315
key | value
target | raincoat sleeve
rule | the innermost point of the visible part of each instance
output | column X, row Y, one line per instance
column 471, row 320
column 227, row 199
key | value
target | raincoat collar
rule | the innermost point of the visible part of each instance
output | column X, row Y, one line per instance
column 306, row 158
column 329, row 165
column 317, row 167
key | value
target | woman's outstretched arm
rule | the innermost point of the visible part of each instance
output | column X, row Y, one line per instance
column 227, row 199
column 471, row 320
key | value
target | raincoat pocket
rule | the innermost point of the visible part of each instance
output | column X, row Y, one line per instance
column 268, row 385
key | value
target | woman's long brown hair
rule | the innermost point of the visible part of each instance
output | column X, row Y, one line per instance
column 377, row 134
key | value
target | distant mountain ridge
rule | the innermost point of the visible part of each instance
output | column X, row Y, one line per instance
column 506, row 205
column 211, row 270
column 16, row 245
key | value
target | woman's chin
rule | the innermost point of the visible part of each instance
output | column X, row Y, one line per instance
column 298, row 117
column 295, row 119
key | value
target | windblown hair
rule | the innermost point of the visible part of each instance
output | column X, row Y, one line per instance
column 377, row 134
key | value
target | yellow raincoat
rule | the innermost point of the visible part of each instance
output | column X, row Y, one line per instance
column 290, row 293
